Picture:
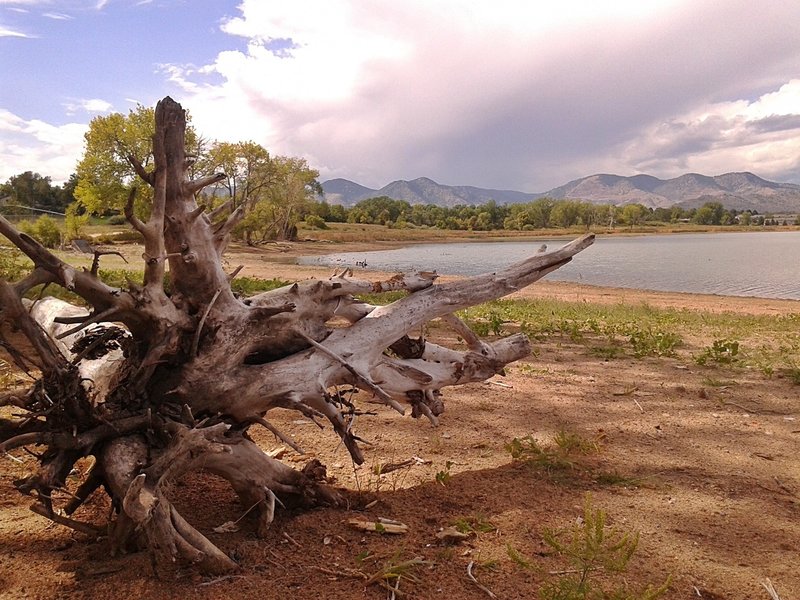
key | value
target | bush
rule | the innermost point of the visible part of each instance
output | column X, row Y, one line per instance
column 117, row 220
column 13, row 265
column 720, row 351
column 44, row 230
column 27, row 227
column 316, row 222
column 75, row 223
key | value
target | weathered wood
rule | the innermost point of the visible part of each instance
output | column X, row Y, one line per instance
column 155, row 385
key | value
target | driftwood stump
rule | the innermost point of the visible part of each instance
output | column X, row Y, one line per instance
column 156, row 384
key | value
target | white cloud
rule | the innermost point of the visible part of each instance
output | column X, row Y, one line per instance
column 38, row 146
column 91, row 105
column 762, row 136
column 8, row 32
column 496, row 93
column 57, row 16
column 504, row 93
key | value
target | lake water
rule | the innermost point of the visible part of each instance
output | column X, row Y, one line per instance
column 762, row 264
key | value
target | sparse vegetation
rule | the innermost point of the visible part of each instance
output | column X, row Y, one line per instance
column 443, row 476
column 768, row 346
column 394, row 570
column 597, row 557
column 720, row 352
column 560, row 455
column 474, row 524
column 613, row 331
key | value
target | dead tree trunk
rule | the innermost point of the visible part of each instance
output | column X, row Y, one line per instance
column 155, row 385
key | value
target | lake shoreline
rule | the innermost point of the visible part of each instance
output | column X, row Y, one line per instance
column 279, row 262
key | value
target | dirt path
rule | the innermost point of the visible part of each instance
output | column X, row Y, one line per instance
column 701, row 461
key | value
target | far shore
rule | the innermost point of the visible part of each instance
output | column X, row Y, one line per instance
column 278, row 261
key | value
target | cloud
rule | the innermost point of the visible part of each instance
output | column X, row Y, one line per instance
column 762, row 135
column 506, row 93
column 8, row 32
column 91, row 105
column 57, row 16
column 494, row 93
column 38, row 146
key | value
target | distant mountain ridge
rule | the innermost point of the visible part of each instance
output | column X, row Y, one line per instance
column 420, row 191
column 741, row 191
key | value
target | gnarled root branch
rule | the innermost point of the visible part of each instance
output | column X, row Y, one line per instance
column 142, row 493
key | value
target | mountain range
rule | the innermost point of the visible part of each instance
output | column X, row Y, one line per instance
column 741, row 191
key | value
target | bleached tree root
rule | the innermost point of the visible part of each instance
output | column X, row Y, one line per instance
column 157, row 384
column 261, row 482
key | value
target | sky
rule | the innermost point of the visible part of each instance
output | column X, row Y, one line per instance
column 506, row 94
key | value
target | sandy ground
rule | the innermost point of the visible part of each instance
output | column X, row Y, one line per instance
column 707, row 475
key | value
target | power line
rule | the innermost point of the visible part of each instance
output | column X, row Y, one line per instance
column 42, row 210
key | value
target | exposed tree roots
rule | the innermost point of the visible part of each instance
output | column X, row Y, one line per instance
column 156, row 385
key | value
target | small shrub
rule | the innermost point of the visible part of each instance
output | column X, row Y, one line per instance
column 496, row 323
column 520, row 559
column 13, row 264
column 443, row 477
column 793, row 373
column 474, row 524
column 480, row 328
column 47, row 231
column 608, row 352
column 559, row 456
column 646, row 342
column 74, row 223
column 720, row 351
column 391, row 572
column 316, row 222
column 571, row 328
column 117, row 220
column 44, row 230
column 27, row 227
column 592, row 548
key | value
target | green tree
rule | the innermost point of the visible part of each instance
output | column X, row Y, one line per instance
column 381, row 210
column 565, row 213
column 633, row 214
column 284, row 194
column 710, row 213
column 531, row 215
column 603, row 214
column 35, row 191
column 119, row 147
column 248, row 168
column 75, row 223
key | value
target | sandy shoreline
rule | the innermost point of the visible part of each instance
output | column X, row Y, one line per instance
column 278, row 261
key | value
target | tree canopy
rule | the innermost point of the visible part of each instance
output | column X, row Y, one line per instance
column 273, row 192
column 36, row 191
column 119, row 150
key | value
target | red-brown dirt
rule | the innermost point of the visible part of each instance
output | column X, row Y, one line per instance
column 708, row 476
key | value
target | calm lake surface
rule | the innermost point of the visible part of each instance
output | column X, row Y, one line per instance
column 762, row 264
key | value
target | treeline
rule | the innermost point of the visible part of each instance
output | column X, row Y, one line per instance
column 26, row 191
column 542, row 213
